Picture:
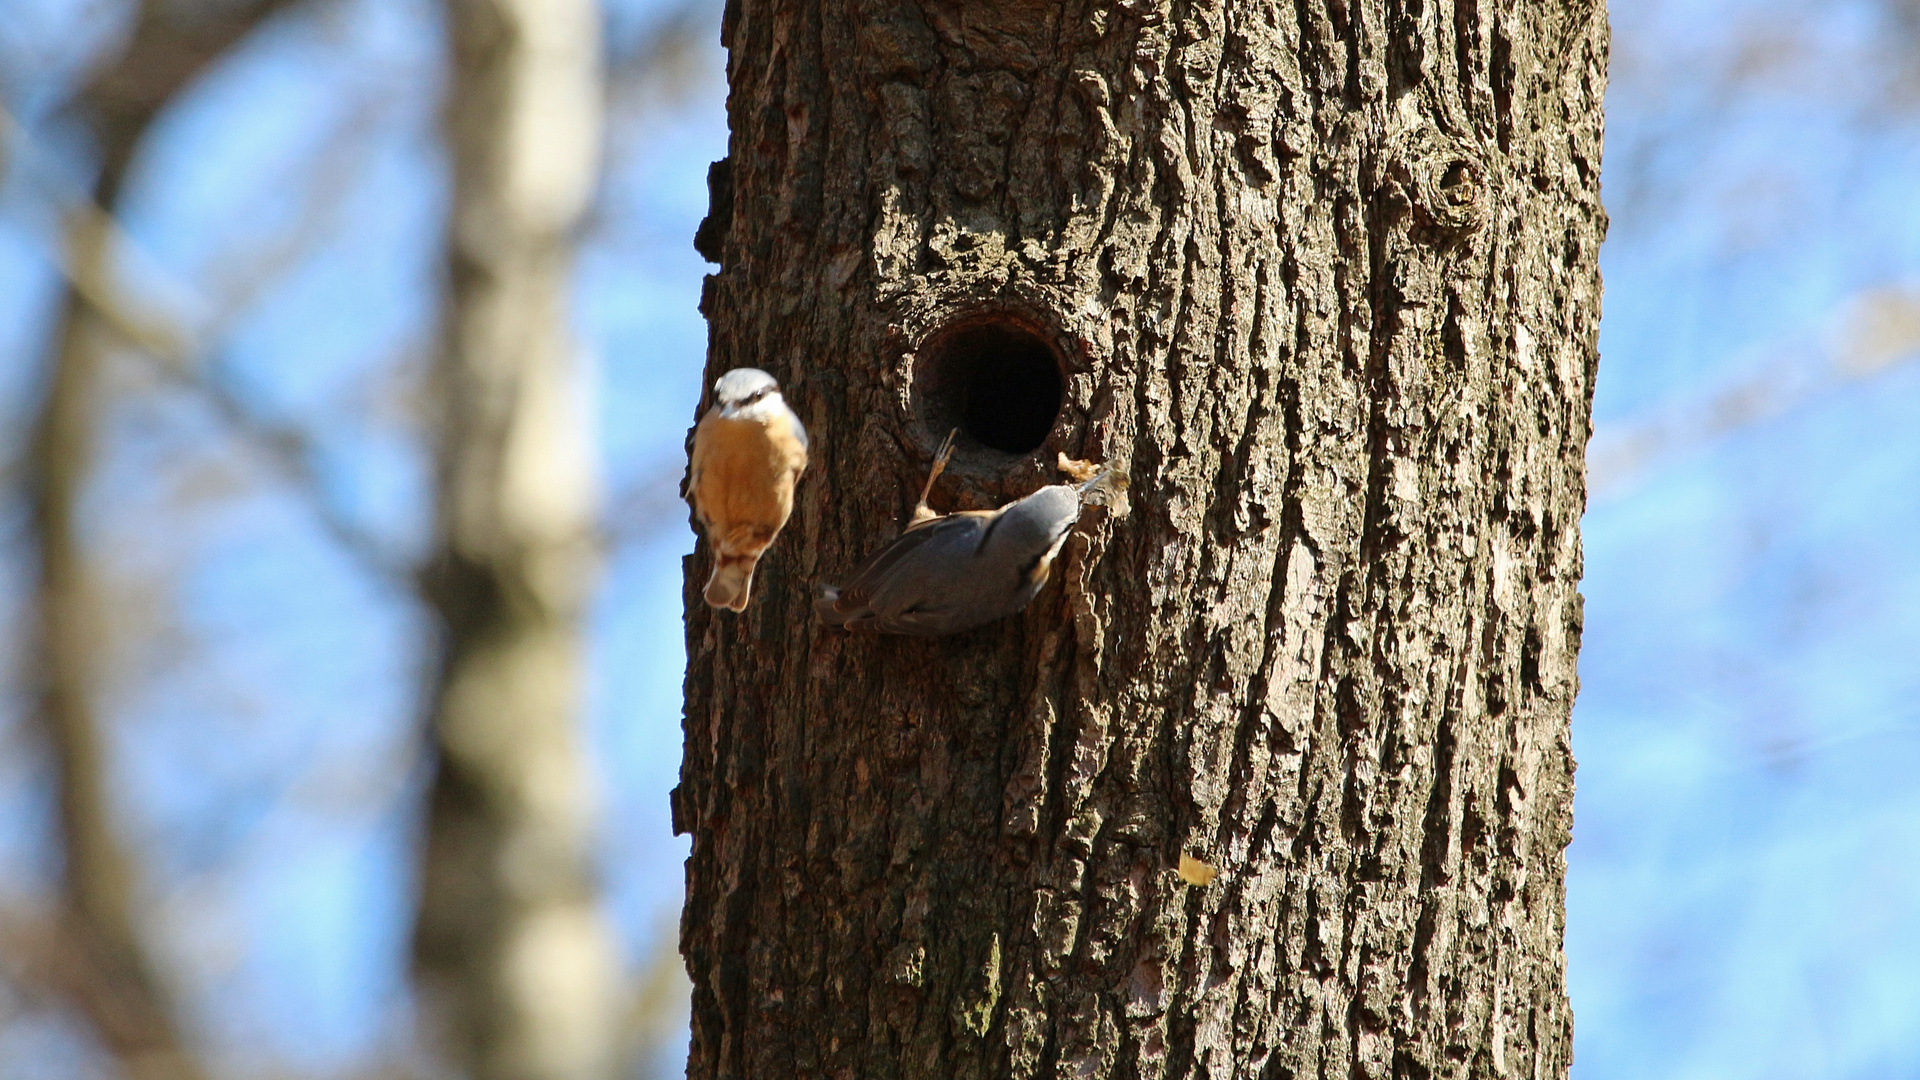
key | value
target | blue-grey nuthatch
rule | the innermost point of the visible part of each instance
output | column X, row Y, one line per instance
column 953, row 572
column 748, row 451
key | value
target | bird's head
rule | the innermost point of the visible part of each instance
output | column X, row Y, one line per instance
column 743, row 388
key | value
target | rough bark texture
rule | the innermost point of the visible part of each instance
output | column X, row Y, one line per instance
column 100, row 955
column 514, row 963
column 1324, row 280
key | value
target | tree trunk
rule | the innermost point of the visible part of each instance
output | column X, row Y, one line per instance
column 1322, row 279
column 514, row 962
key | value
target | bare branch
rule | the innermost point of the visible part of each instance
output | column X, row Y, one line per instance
column 180, row 354
column 99, row 931
column 660, row 62
column 66, row 959
column 133, row 1019
column 170, row 47
column 291, row 451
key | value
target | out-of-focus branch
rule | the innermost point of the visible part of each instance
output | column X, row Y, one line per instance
column 56, row 959
column 171, row 45
column 180, row 354
column 635, row 512
column 135, row 1019
column 1681, row 155
column 291, row 451
column 662, row 61
column 288, row 448
column 114, row 983
column 1902, row 47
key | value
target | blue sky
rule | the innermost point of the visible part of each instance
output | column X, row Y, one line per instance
column 1744, row 875
column 1746, row 862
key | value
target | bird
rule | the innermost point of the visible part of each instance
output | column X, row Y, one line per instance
column 952, row 572
column 748, row 453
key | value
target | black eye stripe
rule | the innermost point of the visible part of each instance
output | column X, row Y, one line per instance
column 750, row 399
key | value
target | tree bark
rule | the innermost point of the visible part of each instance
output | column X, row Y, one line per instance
column 514, row 962
column 1322, row 278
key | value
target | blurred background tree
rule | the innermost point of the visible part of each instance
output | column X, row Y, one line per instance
column 224, row 276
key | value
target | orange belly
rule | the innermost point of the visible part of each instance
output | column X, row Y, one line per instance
column 743, row 476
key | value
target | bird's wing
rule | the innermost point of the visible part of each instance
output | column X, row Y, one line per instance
column 919, row 621
column 866, row 580
column 697, row 463
column 881, row 567
column 789, row 438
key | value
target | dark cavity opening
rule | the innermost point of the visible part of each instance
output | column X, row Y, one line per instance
column 998, row 383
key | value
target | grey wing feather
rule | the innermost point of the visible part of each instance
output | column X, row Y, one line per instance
column 875, row 572
column 847, row 605
column 886, row 574
column 917, row 622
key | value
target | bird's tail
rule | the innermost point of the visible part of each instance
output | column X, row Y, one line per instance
column 731, row 581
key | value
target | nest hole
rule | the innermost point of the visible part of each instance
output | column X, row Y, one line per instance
column 999, row 383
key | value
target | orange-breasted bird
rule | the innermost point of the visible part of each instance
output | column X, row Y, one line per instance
column 748, row 451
